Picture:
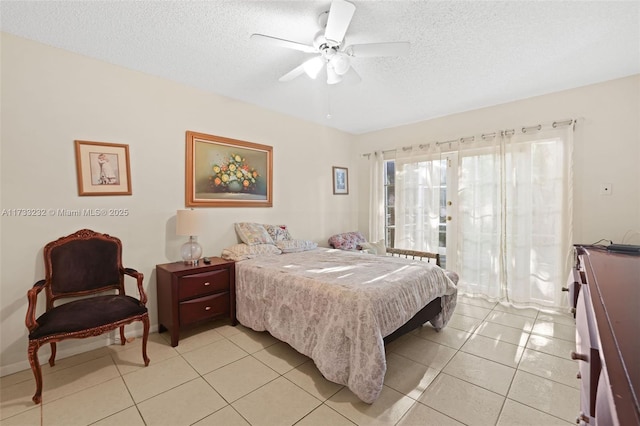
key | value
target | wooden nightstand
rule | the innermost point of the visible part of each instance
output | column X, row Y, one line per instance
column 190, row 294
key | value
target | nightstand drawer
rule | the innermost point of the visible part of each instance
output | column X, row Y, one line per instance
column 204, row 308
column 203, row 283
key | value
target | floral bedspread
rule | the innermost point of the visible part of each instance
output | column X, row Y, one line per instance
column 336, row 307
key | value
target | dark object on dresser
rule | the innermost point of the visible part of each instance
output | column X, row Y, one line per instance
column 189, row 294
column 607, row 330
column 624, row 248
column 86, row 264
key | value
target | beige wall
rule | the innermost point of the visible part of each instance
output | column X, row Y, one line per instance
column 51, row 97
column 606, row 150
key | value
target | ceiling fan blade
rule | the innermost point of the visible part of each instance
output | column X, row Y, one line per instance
column 340, row 15
column 296, row 72
column 400, row 48
column 275, row 41
column 311, row 67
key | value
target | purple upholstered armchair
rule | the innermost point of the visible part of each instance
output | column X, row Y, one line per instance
column 86, row 264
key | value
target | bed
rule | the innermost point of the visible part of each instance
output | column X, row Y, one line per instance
column 338, row 307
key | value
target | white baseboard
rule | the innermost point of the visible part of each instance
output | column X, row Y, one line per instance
column 79, row 346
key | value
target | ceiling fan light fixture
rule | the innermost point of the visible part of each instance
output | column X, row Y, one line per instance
column 332, row 76
column 313, row 67
column 331, row 49
column 340, row 64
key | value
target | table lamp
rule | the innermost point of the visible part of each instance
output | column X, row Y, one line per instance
column 190, row 223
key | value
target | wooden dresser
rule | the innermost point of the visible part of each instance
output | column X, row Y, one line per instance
column 190, row 294
column 607, row 310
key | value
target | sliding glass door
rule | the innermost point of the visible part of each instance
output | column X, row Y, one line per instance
column 498, row 210
column 428, row 194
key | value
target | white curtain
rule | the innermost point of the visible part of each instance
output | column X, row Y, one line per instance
column 417, row 204
column 538, row 226
column 515, row 209
column 376, row 196
column 480, row 216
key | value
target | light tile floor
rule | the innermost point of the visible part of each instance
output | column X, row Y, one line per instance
column 492, row 365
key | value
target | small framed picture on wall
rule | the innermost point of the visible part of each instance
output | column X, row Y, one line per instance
column 102, row 168
column 340, row 180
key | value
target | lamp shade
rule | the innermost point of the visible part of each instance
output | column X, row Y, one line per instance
column 190, row 222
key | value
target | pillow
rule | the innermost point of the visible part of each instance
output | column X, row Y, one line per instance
column 278, row 232
column 243, row 251
column 252, row 233
column 375, row 248
column 294, row 246
column 347, row 240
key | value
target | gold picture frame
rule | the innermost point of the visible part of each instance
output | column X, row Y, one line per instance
column 102, row 168
column 340, row 180
column 225, row 172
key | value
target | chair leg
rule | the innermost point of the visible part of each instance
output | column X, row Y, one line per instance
column 52, row 358
column 145, row 337
column 35, row 367
column 122, row 339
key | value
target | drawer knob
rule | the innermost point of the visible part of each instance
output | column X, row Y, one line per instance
column 207, row 283
column 580, row 357
column 565, row 289
column 208, row 308
column 578, row 376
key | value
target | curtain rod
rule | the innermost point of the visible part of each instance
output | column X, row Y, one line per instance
column 368, row 154
column 485, row 136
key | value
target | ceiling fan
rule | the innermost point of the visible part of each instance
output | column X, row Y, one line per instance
column 329, row 46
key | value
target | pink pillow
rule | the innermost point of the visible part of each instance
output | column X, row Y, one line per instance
column 346, row 240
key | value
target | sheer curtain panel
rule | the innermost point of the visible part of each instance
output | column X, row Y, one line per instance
column 515, row 209
column 376, row 196
column 418, row 173
column 538, row 226
column 480, row 214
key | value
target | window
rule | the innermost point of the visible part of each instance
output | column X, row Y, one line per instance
column 418, row 194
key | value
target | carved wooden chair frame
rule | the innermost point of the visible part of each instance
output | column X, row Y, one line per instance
column 32, row 324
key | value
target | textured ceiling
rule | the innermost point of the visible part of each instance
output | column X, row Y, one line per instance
column 464, row 54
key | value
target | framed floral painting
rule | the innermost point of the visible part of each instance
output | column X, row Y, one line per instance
column 340, row 180
column 102, row 168
column 224, row 172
